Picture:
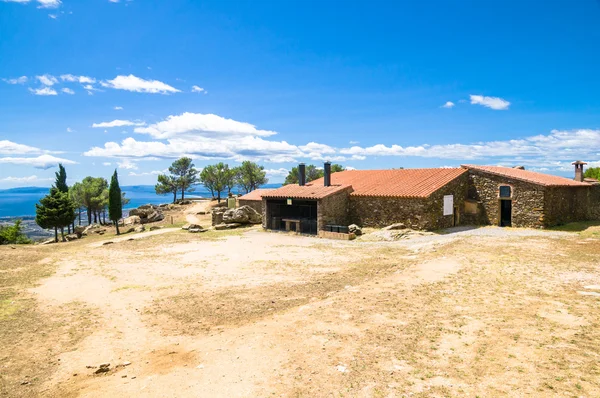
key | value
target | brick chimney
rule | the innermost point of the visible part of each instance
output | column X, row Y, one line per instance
column 578, row 170
column 327, row 174
column 301, row 174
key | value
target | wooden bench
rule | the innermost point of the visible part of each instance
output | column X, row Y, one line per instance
column 288, row 224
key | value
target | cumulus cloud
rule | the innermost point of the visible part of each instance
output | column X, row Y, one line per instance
column 43, row 91
column 118, row 108
column 448, row 105
column 106, row 164
column 198, row 89
column 18, row 80
column 68, row 91
column 148, row 173
column 42, row 3
column 79, row 79
column 281, row 172
column 138, row 85
column 25, row 180
column 47, row 80
column 117, row 123
column 12, row 148
column 40, row 162
column 495, row 103
column 127, row 164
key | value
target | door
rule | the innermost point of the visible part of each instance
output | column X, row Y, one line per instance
column 505, row 213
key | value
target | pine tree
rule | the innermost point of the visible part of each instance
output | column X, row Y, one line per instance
column 55, row 210
column 61, row 179
column 115, row 204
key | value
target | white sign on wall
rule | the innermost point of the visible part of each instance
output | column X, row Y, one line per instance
column 448, row 205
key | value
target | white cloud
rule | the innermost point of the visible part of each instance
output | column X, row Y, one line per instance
column 281, row 172
column 70, row 130
column 198, row 89
column 43, row 91
column 117, row 123
column 118, row 108
column 198, row 124
column 68, row 91
column 53, row 16
column 127, row 164
column 49, row 3
column 12, row 148
column 18, row 80
column 40, row 162
column 16, row 1
column 138, row 85
column 79, row 79
column 106, row 164
column 47, row 80
column 148, row 173
column 495, row 103
column 25, row 180
column 353, row 142
column 448, row 104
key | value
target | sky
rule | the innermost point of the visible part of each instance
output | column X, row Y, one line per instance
column 132, row 85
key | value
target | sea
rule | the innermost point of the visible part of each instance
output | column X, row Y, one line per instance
column 19, row 203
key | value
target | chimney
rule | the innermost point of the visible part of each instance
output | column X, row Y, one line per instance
column 327, row 173
column 301, row 174
column 578, row 170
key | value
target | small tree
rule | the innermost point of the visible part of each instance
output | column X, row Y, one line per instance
column 167, row 184
column 61, row 179
column 592, row 172
column 186, row 175
column 55, row 210
column 215, row 178
column 115, row 205
column 13, row 234
column 251, row 176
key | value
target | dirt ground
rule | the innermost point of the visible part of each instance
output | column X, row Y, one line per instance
column 247, row 313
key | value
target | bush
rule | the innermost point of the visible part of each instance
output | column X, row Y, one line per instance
column 13, row 234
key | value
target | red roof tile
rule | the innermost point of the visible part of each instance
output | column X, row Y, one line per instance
column 402, row 183
column 255, row 195
column 528, row 176
column 311, row 190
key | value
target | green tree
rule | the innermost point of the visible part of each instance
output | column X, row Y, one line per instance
column 61, row 179
column 76, row 195
column 312, row 173
column 167, row 184
column 251, row 176
column 186, row 175
column 215, row 178
column 115, row 205
column 55, row 210
column 592, row 172
column 94, row 196
column 13, row 234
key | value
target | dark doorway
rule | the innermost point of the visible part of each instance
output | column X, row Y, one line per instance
column 302, row 211
column 506, row 213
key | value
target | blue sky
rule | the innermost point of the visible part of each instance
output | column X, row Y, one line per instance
column 135, row 84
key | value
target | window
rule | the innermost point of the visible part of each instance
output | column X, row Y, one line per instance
column 505, row 191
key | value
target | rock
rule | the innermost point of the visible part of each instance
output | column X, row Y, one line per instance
column 155, row 227
column 108, row 243
column 147, row 214
column 201, row 213
column 71, row 237
column 186, row 227
column 132, row 220
column 242, row 215
column 24, row 382
column 146, row 207
column 196, row 230
column 130, row 230
column 80, row 231
column 184, row 202
column 141, row 228
column 395, row 226
column 223, row 226
column 217, row 215
column 48, row 242
column 355, row 229
column 126, row 363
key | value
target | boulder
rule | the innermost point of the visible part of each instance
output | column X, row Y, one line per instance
column 71, row 237
column 132, row 220
column 80, row 231
column 48, row 242
column 147, row 214
column 395, row 226
column 196, row 230
column 223, row 226
column 355, row 229
column 155, row 227
column 242, row 215
column 141, row 228
column 184, row 202
column 187, row 227
column 147, row 207
column 130, row 230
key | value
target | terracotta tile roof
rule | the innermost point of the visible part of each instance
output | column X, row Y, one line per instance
column 256, row 194
column 401, row 183
column 528, row 176
column 312, row 190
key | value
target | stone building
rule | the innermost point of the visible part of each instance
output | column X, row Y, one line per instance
column 430, row 199
column 253, row 199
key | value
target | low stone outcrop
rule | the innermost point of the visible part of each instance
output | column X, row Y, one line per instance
column 141, row 228
column 147, row 214
column 132, row 220
column 242, row 215
column 217, row 215
column 222, row 226
column 355, row 229
column 71, row 237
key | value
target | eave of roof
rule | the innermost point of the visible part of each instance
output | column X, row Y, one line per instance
column 309, row 191
column 531, row 177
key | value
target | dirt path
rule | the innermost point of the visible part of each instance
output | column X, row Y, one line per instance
column 190, row 214
column 132, row 236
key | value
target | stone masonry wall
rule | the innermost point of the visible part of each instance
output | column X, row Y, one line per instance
column 567, row 204
column 415, row 213
column 527, row 199
column 333, row 210
column 255, row 204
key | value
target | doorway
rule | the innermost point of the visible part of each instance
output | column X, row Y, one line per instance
column 455, row 217
column 506, row 213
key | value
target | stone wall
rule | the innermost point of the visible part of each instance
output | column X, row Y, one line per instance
column 527, row 200
column 415, row 213
column 563, row 205
column 255, row 204
column 333, row 210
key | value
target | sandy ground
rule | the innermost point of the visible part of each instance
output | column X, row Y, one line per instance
column 485, row 312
